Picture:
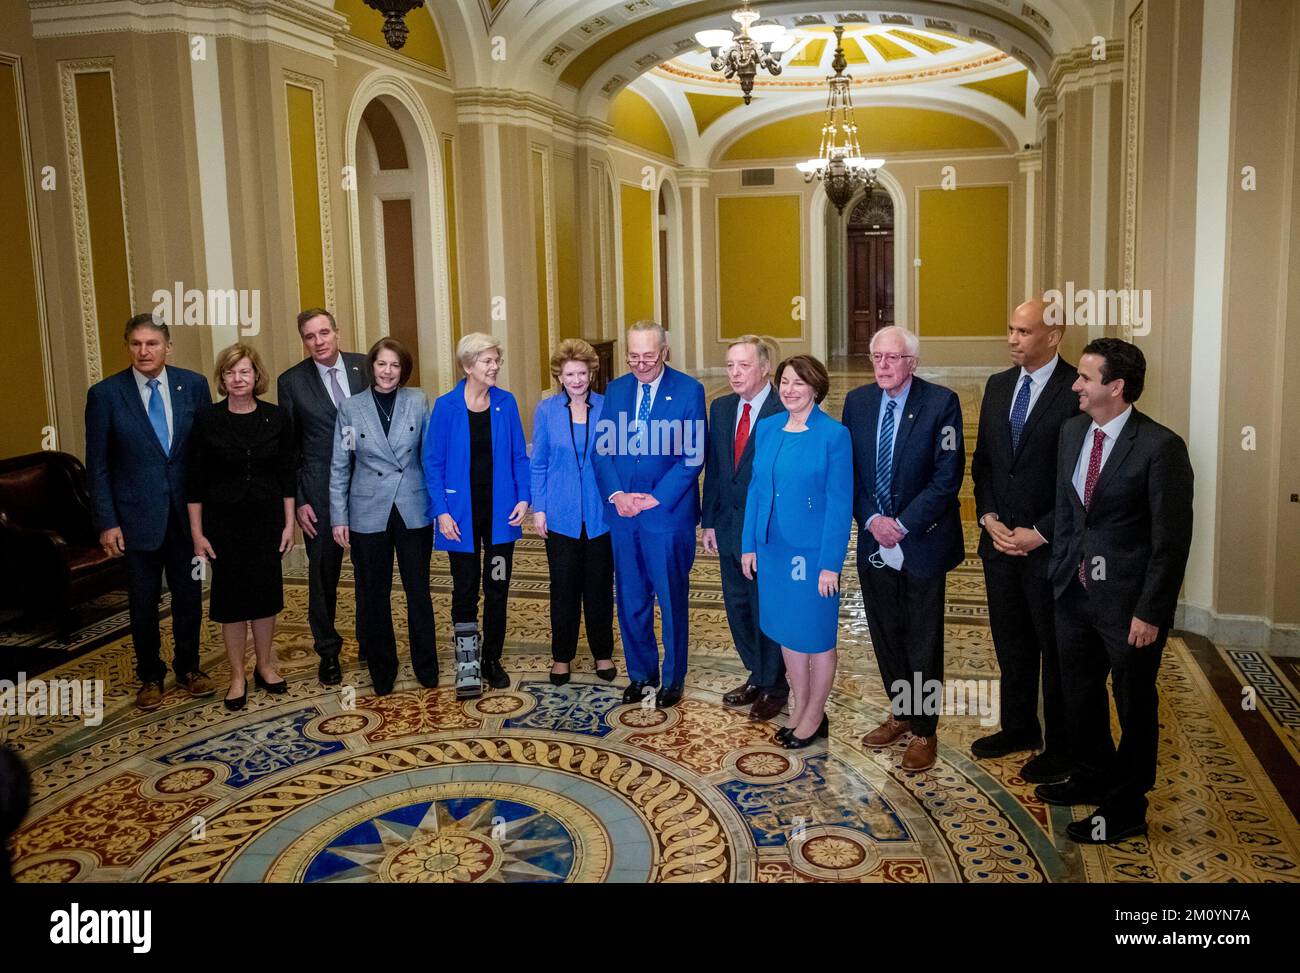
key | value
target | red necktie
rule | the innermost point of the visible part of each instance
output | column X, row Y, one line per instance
column 1094, row 471
column 742, row 434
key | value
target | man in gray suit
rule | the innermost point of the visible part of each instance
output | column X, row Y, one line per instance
column 311, row 392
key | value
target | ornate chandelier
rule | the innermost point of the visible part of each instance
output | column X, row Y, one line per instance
column 395, row 11
column 759, row 46
column 839, row 164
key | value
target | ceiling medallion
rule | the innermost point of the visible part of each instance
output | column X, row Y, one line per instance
column 742, row 54
column 395, row 11
column 839, row 164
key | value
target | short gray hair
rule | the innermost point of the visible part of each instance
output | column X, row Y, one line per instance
column 655, row 326
column 910, row 341
column 474, row 344
column 767, row 348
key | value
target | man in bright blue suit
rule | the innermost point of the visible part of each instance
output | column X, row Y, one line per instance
column 137, row 437
column 908, row 464
column 650, row 445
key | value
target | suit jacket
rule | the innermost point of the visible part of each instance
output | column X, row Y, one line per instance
column 726, row 485
column 1139, row 523
column 371, row 473
column 133, row 482
column 311, row 411
column 447, row 466
column 232, row 461
column 1020, row 486
column 567, row 494
column 929, row 463
column 817, row 497
column 670, row 468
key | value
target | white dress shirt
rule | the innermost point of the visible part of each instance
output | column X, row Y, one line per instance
column 324, row 372
column 1112, row 430
column 1037, row 382
column 654, row 393
column 142, row 382
column 755, row 407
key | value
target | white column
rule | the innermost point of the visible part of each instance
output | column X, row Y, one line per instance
column 1212, row 182
column 1031, row 163
column 694, row 182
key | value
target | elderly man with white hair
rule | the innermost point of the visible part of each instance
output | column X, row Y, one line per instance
column 908, row 464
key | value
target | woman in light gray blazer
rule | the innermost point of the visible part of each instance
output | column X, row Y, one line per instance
column 379, row 506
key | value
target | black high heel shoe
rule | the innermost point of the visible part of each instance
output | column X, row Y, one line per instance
column 239, row 702
column 792, row 742
column 607, row 674
column 559, row 678
column 274, row 688
column 783, row 734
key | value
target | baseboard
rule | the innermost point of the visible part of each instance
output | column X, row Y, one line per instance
column 1246, row 631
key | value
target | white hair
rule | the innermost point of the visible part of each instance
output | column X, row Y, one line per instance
column 474, row 344
column 910, row 341
column 654, row 326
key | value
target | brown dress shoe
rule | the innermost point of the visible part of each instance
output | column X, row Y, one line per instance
column 197, row 683
column 741, row 695
column 920, row 753
column 149, row 696
column 886, row 733
column 766, row 706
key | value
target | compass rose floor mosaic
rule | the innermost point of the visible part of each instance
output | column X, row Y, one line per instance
column 543, row 784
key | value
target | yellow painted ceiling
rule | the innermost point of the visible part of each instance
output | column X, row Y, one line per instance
column 635, row 120
column 1008, row 88
column 583, row 66
column 422, row 44
column 929, row 44
column 707, row 109
column 810, row 55
column 889, row 50
column 881, row 130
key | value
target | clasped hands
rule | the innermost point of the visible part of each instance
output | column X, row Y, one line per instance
column 631, row 504
column 1017, row 542
column 886, row 531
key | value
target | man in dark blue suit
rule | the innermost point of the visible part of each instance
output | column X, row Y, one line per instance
column 726, row 484
column 650, row 445
column 908, row 464
column 137, row 436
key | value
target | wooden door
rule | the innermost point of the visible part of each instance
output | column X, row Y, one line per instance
column 871, row 287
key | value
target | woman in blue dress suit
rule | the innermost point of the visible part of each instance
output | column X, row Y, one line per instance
column 798, row 515
column 476, row 468
column 568, row 512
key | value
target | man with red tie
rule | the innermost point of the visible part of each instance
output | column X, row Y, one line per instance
column 728, row 466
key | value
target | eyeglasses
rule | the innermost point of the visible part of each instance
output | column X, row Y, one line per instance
column 643, row 359
column 891, row 358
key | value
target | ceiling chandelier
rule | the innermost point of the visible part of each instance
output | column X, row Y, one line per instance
column 395, row 11
column 839, row 164
column 756, row 46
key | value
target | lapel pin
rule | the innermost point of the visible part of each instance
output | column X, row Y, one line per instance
column 668, row 398
column 909, row 415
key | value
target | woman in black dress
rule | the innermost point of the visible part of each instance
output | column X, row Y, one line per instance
column 241, row 506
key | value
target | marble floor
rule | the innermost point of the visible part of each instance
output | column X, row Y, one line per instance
column 538, row 783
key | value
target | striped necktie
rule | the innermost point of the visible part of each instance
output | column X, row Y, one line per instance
column 884, row 461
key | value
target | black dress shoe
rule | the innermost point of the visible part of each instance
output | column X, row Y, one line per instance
column 668, row 696
column 1045, row 768
column 428, row 682
column 274, row 688
column 1068, row 794
column 766, row 706
column 608, row 673
column 635, row 691
column 792, row 742
column 559, row 678
column 238, row 702
column 329, row 671
column 384, row 689
column 494, row 674
column 1098, row 829
column 1002, row 743
column 741, row 695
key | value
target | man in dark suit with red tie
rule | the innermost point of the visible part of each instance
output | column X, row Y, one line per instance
column 1123, row 530
column 727, row 470
column 1014, row 469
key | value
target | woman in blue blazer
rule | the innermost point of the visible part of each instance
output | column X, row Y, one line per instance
column 798, row 514
column 476, row 470
column 568, row 511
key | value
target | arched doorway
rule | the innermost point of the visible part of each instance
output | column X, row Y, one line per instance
column 869, row 270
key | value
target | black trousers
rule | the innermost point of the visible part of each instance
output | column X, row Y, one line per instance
column 1092, row 646
column 145, row 571
column 1022, row 621
column 324, row 565
column 372, row 560
column 582, row 581
column 491, row 565
column 905, row 619
column 760, row 654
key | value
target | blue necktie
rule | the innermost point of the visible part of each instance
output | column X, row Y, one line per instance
column 158, row 416
column 1019, row 410
column 643, row 410
column 884, row 461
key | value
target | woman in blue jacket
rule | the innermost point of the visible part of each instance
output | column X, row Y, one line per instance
column 568, row 511
column 798, row 514
column 476, row 468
